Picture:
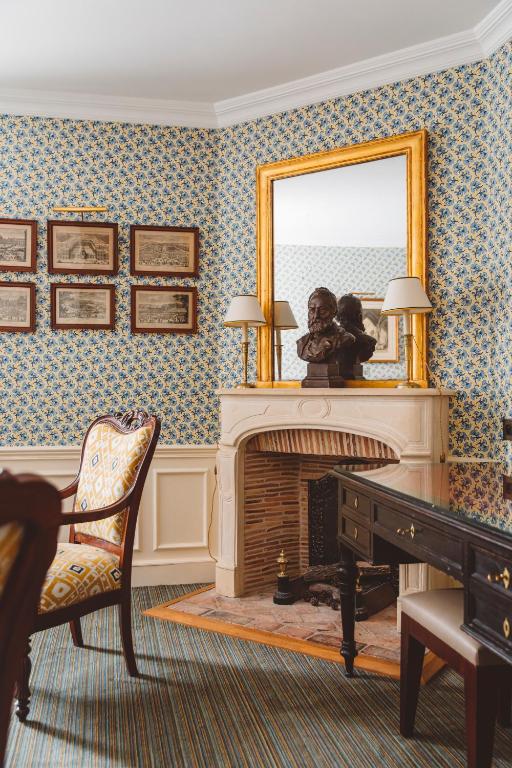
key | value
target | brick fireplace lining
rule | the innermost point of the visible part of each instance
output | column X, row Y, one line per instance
column 278, row 466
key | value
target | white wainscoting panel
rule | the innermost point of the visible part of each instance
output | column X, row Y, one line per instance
column 177, row 516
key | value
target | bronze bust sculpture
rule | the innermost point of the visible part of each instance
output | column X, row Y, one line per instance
column 336, row 344
column 326, row 340
column 350, row 316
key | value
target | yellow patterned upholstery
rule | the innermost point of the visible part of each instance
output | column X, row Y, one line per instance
column 11, row 535
column 109, row 466
column 77, row 572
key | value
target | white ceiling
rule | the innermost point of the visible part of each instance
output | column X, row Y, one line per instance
column 214, row 53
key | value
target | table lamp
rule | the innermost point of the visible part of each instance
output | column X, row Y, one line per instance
column 406, row 296
column 284, row 320
column 244, row 311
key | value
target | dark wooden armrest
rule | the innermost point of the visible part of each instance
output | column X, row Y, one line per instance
column 69, row 490
column 71, row 518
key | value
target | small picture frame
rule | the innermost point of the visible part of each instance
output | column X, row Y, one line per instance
column 384, row 328
column 17, row 307
column 82, row 305
column 82, row 247
column 18, row 245
column 162, row 309
column 164, row 251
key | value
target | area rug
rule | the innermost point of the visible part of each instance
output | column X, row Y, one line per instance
column 204, row 700
column 301, row 627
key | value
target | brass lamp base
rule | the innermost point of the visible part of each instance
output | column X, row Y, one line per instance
column 245, row 385
column 408, row 385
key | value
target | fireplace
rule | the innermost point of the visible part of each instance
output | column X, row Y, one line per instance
column 273, row 441
column 278, row 469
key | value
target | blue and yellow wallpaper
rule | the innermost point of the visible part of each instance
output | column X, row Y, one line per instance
column 52, row 383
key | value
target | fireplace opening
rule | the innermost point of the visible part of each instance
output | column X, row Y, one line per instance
column 290, row 504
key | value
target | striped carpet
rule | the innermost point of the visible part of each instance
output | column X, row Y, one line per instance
column 208, row 700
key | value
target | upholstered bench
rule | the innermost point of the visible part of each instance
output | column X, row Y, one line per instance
column 432, row 620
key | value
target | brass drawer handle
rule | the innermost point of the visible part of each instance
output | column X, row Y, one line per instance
column 506, row 628
column 504, row 577
column 356, row 533
column 356, row 502
column 412, row 531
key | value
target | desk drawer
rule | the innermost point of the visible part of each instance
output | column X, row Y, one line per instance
column 356, row 534
column 496, row 572
column 415, row 537
column 356, row 502
column 490, row 615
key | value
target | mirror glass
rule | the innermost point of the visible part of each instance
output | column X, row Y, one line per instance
column 345, row 229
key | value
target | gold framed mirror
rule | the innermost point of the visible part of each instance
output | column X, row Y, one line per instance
column 372, row 194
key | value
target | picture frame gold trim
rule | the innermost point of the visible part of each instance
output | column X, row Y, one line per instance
column 414, row 146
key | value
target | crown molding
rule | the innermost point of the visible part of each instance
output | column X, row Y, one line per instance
column 446, row 52
column 496, row 28
column 423, row 59
column 86, row 106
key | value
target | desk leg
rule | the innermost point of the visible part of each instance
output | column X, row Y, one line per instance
column 347, row 574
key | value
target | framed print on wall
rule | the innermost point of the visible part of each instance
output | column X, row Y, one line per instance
column 164, row 251
column 18, row 245
column 384, row 328
column 159, row 309
column 82, row 305
column 82, row 247
column 17, row 307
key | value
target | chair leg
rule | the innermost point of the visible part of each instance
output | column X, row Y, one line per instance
column 76, row 633
column 481, row 701
column 505, row 702
column 22, row 692
column 125, row 620
column 412, row 655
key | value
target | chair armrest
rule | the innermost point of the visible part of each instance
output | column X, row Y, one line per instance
column 70, row 489
column 71, row 518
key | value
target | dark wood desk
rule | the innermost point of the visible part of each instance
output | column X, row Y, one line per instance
column 453, row 516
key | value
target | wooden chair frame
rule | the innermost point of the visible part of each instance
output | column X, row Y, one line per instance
column 487, row 690
column 35, row 504
column 125, row 424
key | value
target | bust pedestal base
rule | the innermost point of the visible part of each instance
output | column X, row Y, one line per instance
column 325, row 375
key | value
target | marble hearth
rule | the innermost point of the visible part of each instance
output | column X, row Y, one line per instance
column 274, row 440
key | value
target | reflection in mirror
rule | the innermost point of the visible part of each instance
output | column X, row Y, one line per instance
column 346, row 229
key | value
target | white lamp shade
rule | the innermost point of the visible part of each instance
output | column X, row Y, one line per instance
column 283, row 316
column 244, row 310
column 405, row 295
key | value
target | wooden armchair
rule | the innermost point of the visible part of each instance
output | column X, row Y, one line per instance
column 93, row 570
column 29, row 521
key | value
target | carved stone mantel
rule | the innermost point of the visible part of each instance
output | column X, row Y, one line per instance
column 413, row 422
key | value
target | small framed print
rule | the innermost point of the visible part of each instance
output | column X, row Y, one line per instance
column 82, row 305
column 158, row 309
column 82, row 247
column 18, row 245
column 18, row 307
column 164, row 251
column 384, row 328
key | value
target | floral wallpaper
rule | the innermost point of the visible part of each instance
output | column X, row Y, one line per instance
column 53, row 383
